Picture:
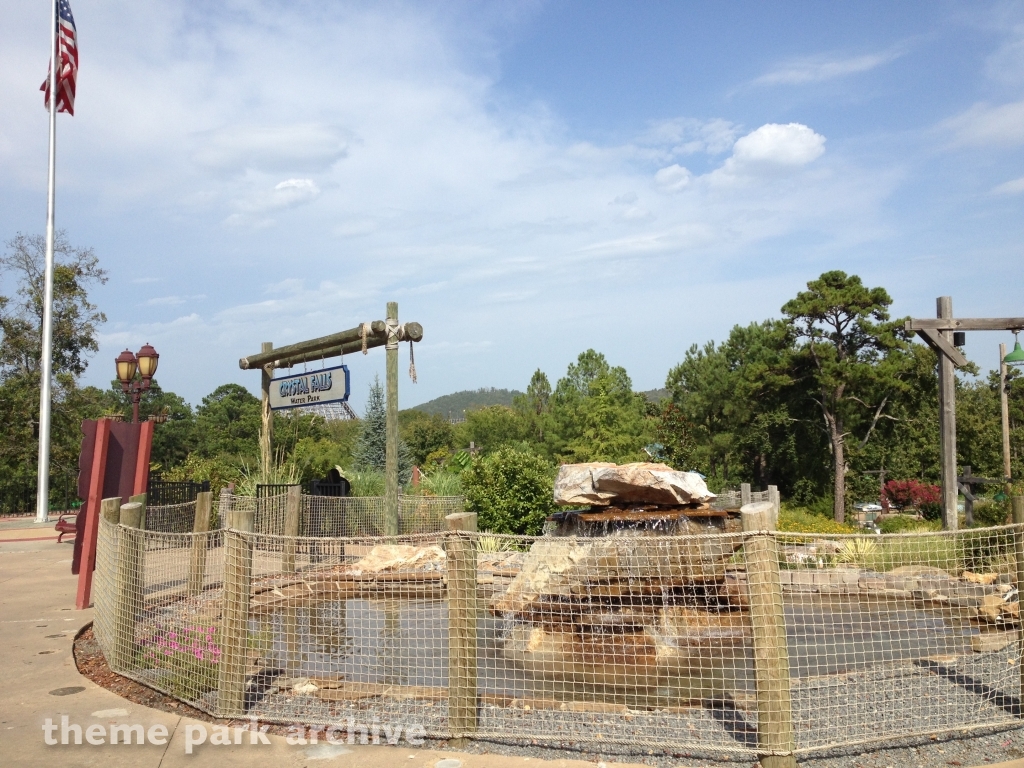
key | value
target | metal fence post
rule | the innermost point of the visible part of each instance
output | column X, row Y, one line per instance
column 200, row 525
column 460, row 546
column 234, row 629
column 775, row 741
column 128, row 590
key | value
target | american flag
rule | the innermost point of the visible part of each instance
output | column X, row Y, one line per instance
column 67, row 45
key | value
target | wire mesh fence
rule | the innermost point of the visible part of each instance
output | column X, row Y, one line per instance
column 755, row 642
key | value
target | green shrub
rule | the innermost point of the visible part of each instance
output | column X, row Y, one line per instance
column 904, row 524
column 988, row 513
column 441, row 483
column 511, row 490
column 802, row 520
column 365, row 482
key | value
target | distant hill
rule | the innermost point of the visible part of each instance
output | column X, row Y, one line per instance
column 656, row 395
column 467, row 400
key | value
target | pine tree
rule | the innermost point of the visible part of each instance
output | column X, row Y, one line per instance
column 371, row 448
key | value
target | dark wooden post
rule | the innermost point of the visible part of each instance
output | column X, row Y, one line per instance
column 947, row 422
column 391, row 448
column 266, row 415
column 234, row 628
column 201, row 527
column 771, row 654
column 460, row 548
column 1017, row 507
column 1004, row 409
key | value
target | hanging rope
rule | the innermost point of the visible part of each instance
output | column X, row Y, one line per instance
column 364, row 328
column 412, row 363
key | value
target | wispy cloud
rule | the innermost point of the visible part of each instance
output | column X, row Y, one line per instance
column 818, row 69
column 986, row 125
column 1013, row 187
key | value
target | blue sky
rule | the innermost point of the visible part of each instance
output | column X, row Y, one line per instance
column 527, row 180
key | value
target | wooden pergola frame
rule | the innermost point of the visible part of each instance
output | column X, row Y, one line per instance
column 385, row 333
column 938, row 334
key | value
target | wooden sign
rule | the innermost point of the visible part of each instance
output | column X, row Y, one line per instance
column 329, row 385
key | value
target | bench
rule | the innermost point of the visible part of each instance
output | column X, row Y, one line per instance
column 65, row 525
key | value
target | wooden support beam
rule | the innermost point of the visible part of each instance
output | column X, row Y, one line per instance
column 1004, row 408
column 947, row 422
column 966, row 324
column 391, row 426
column 334, row 344
column 266, row 415
column 935, row 340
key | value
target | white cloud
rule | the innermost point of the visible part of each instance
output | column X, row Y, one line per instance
column 1013, row 187
column 270, row 148
column 773, row 148
column 673, row 178
column 166, row 301
column 404, row 174
column 817, row 69
column 687, row 136
column 985, row 125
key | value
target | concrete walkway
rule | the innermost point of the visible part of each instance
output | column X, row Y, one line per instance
column 39, row 681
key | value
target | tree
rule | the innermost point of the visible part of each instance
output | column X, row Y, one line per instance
column 228, row 422
column 75, row 321
column 370, row 451
column 851, row 356
column 596, row 416
column 429, row 434
column 512, row 491
column 736, row 399
column 75, row 318
column 493, row 427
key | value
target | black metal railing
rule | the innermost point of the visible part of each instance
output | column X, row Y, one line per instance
column 161, row 492
column 19, row 497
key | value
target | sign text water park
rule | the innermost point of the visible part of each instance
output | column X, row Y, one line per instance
column 330, row 385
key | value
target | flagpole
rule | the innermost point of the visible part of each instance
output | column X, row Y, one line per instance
column 46, row 356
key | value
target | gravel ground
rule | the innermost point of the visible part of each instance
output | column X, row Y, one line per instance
column 931, row 696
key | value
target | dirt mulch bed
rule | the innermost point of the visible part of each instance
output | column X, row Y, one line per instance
column 92, row 664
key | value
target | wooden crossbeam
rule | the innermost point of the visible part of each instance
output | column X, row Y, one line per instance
column 341, row 343
column 965, row 324
column 935, row 340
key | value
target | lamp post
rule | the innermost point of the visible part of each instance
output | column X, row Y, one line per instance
column 144, row 363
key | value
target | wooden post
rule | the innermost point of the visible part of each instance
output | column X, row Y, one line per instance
column 462, row 630
column 292, row 508
column 140, row 498
column 1004, row 407
column 1017, row 505
column 744, row 494
column 968, row 498
column 776, row 500
column 234, row 627
column 947, row 422
column 200, row 526
column 266, row 415
column 771, row 653
column 128, row 589
column 391, row 429
column 110, row 509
